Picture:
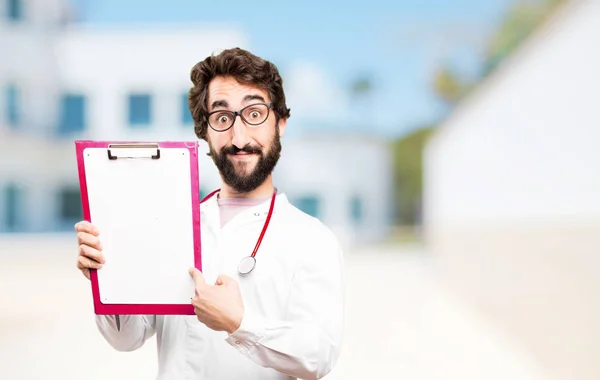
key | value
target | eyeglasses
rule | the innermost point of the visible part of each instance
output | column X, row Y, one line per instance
column 253, row 115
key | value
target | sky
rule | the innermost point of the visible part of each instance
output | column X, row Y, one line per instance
column 320, row 47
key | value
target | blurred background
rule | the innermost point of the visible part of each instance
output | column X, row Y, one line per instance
column 451, row 146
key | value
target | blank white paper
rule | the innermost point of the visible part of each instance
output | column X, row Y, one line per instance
column 143, row 209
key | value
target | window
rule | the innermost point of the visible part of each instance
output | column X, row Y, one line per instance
column 70, row 205
column 309, row 204
column 12, row 111
column 356, row 209
column 186, row 115
column 140, row 106
column 72, row 113
column 14, row 10
column 203, row 193
column 12, row 205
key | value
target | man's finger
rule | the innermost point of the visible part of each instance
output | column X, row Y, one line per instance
column 91, row 253
column 86, row 263
column 85, row 226
column 89, row 239
column 197, row 276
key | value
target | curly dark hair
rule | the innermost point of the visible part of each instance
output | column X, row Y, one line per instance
column 247, row 69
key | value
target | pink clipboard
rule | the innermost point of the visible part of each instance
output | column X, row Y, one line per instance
column 110, row 151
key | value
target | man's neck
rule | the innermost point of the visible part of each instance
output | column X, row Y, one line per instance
column 265, row 190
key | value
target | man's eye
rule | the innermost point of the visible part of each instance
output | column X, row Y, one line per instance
column 223, row 119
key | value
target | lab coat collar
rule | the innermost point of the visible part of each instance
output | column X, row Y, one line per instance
column 211, row 209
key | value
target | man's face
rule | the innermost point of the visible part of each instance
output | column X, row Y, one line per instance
column 244, row 154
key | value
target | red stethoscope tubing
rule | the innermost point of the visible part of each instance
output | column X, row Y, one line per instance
column 265, row 226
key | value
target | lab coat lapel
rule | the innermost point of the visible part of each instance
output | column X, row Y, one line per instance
column 210, row 212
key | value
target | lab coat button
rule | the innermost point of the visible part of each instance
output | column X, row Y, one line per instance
column 237, row 342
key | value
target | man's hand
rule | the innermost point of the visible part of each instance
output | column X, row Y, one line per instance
column 90, row 250
column 219, row 306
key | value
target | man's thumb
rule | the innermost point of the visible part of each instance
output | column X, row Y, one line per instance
column 222, row 280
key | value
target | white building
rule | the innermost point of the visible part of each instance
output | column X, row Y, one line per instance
column 512, row 196
column 62, row 81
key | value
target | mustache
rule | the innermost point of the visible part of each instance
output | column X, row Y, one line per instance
column 247, row 149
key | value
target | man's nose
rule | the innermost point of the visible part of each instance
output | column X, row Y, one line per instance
column 240, row 133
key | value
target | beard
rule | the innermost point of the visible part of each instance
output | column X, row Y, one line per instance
column 246, row 182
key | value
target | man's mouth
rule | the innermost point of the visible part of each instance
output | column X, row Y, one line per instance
column 241, row 155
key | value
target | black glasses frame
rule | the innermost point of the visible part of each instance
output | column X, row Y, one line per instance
column 239, row 113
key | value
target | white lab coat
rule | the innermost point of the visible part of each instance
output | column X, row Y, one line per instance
column 293, row 299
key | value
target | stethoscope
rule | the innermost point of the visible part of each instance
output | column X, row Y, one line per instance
column 248, row 263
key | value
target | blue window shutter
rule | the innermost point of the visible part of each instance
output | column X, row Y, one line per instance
column 309, row 204
column 140, row 110
column 203, row 193
column 72, row 116
column 12, row 205
column 186, row 115
column 12, row 108
column 14, row 11
column 70, row 205
column 356, row 209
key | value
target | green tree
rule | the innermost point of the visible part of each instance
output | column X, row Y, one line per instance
column 448, row 85
column 361, row 86
column 519, row 22
column 361, row 89
column 408, row 169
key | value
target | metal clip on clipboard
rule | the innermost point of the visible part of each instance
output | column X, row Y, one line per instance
column 126, row 151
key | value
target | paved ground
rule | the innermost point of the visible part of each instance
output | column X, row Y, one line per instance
column 400, row 322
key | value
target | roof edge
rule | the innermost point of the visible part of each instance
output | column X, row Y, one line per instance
column 537, row 37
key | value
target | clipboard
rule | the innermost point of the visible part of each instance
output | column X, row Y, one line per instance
column 145, row 200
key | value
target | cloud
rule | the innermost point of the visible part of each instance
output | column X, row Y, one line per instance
column 312, row 93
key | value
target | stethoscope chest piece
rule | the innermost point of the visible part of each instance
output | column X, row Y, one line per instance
column 246, row 265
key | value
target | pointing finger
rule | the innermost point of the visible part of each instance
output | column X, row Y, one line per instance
column 197, row 276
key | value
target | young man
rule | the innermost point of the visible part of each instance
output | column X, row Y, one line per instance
column 277, row 314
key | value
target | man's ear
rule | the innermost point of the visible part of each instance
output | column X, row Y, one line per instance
column 282, row 125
